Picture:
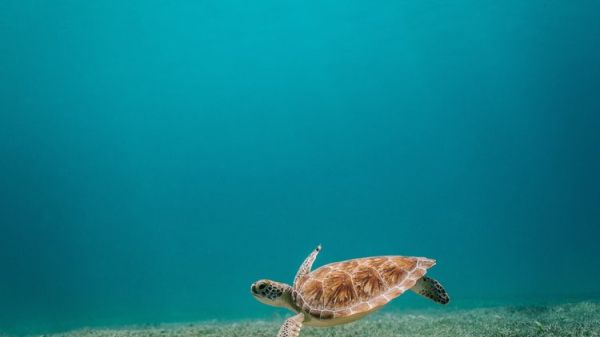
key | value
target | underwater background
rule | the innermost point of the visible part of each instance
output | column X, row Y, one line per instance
column 157, row 157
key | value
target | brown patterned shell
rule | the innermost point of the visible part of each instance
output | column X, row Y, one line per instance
column 356, row 286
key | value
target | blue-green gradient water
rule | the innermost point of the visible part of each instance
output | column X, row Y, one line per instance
column 157, row 157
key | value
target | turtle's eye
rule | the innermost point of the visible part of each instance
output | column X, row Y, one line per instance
column 262, row 286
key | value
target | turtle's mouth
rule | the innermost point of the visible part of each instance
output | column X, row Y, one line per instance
column 253, row 289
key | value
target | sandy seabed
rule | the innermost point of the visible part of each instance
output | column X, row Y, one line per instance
column 574, row 319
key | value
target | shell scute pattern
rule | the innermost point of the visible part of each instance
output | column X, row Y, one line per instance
column 355, row 286
column 379, row 301
column 339, row 290
column 347, row 266
column 313, row 290
column 404, row 263
column 392, row 274
column 321, row 272
column 367, row 282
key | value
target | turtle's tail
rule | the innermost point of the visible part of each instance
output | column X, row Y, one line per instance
column 432, row 289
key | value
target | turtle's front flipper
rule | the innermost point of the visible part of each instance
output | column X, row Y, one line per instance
column 292, row 326
column 307, row 264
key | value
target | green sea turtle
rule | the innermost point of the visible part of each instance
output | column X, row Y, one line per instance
column 346, row 291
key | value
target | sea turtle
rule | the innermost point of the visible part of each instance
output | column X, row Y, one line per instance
column 346, row 291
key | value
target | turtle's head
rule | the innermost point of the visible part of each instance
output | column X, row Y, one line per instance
column 271, row 293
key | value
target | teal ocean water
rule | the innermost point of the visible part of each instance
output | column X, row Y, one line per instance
column 157, row 157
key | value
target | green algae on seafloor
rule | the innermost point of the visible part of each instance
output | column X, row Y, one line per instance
column 578, row 319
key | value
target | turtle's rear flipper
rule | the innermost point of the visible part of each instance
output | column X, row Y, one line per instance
column 432, row 289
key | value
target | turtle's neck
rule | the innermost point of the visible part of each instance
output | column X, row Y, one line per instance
column 286, row 298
